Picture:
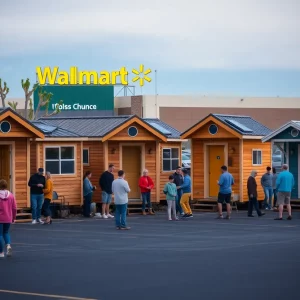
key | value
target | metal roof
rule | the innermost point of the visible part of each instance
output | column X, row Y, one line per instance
column 294, row 124
column 246, row 123
column 93, row 126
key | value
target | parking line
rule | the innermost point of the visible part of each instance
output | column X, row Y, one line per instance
column 44, row 295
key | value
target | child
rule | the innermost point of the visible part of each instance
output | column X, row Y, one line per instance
column 8, row 211
column 171, row 191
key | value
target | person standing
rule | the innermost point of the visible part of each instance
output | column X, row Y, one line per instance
column 284, row 185
column 48, row 195
column 105, row 182
column 274, row 187
column 37, row 183
column 146, row 185
column 171, row 192
column 178, row 180
column 225, row 183
column 88, row 190
column 186, row 194
column 267, row 184
column 8, row 212
column 252, row 194
column 120, row 188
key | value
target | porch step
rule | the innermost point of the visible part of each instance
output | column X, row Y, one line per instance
column 205, row 207
column 23, row 215
column 134, row 207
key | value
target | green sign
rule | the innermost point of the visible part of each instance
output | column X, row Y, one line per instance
column 78, row 97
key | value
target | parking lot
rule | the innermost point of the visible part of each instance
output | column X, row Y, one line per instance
column 199, row 258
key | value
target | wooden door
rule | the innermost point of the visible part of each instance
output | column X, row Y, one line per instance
column 5, row 160
column 216, row 161
column 131, row 165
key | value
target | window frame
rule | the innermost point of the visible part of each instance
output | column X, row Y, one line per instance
column 88, row 150
column 261, row 157
column 170, row 159
column 60, row 160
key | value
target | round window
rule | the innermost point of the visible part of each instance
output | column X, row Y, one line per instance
column 5, row 127
column 132, row 131
column 294, row 132
column 213, row 129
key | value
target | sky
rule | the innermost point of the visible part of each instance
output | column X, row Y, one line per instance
column 205, row 47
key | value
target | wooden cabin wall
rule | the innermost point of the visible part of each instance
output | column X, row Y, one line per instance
column 150, row 165
column 17, row 130
column 33, row 157
column 96, row 165
column 164, row 176
column 198, row 164
column 266, row 148
column 69, row 186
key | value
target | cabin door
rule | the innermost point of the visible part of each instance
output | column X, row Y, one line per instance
column 5, row 164
column 216, row 156
column 131, row 165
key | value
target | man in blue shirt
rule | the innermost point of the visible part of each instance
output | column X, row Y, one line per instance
column 284, row 185
column 225, row 182
column 186, row 194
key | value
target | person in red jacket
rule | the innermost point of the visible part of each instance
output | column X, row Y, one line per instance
column 8, row 212
column 146, row 185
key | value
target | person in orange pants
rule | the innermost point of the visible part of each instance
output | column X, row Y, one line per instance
column 185, row 198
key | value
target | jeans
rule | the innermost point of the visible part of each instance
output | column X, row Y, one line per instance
column 253, row 203
column 146, row 199
column 178, row 198
column 268, row 197
column 87, row 205
column 46, row 207
column 171, row 208
column 4, row 232
column 36, row 205
column 120, row 215
column 275, row 197
column 185, row 203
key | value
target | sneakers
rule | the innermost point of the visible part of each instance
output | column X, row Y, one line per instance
column 227, row 217
column 34, row 222
column 262, row 214
column 125, row 228
column 289, row 218
column 9, row 251
column 2, row 255
column 98, row 215
column 40, row 221
column 278, row 219
column 170, row 219
column 220, row 217
column 104, row 216
column 110, row 216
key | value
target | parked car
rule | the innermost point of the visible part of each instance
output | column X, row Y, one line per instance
column 186, row 161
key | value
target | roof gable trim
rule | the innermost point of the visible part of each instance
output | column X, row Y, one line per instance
column 280, row 130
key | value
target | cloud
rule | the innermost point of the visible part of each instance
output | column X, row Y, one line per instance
column 226, row 34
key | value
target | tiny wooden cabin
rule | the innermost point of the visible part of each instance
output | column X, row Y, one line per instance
column 74, row 145
column 286, row 150
column 231, row 140
column 15, row 136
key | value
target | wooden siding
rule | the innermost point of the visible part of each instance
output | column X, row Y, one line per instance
column 248, row 146
column 143, row 134
column 33, row 158
column 66, row 185
column 204, row 133
column 198, row 154
column 150, row 165
column 17, row 130
column 164, row 176
column 96, row 165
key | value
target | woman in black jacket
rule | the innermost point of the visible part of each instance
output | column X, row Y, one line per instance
column 252, row 194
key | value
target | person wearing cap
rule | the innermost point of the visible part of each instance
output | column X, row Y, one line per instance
column 186, row 194
column 37, row 183
column 178, row 180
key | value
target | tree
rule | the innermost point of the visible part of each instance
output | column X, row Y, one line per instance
column 44, row 101
column 28, row 93
column 3, row 92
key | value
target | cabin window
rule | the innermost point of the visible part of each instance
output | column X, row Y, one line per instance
column 86, row 156
column 256, row 157
column 170, row 159
column 60, row 160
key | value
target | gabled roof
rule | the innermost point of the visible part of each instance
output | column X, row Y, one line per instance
column 239, row 125
column 8, row 112
column 294, row 124
column 99, row 126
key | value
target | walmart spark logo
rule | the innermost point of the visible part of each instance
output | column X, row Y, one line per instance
column 141, row 75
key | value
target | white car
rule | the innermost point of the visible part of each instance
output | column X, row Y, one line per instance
column 186, row 161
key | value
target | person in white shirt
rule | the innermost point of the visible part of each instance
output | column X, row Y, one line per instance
column 120, row 188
